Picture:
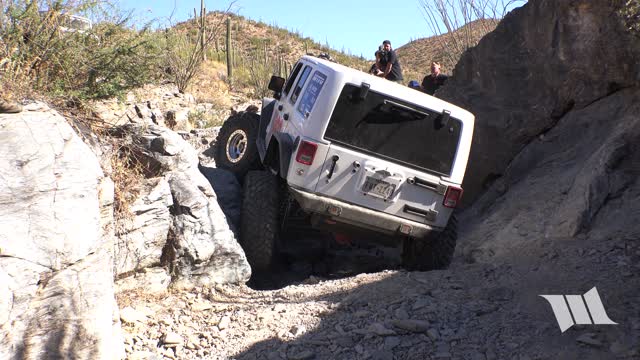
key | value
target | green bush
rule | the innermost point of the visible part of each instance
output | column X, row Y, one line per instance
column 105, row 60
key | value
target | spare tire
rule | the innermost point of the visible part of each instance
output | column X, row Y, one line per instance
column 236, row 144
column 434, row 251
column 259, row 225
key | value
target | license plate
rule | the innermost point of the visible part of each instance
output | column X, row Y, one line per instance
column 378, row 188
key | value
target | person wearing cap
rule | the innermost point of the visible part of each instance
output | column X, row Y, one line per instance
column 433, row 81
column 390, row 65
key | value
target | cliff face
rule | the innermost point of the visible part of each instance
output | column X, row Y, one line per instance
column 544, row 61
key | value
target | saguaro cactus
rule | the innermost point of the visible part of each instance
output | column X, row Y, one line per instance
column 229, row 59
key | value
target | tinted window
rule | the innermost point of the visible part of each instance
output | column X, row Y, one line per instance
column 300, row 84
column 394, row 130
column 293, row 76
column 310, row 94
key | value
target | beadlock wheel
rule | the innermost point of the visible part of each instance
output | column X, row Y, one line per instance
column 236, row 146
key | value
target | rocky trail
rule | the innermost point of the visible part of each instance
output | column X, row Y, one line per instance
column 470, row 311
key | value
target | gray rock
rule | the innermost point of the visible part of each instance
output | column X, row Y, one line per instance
column 589, row 339
column 304, row 355
column 391, row 342
column 143, row 355
column 228, row 193
column 442, row 355
column 172, row 339
column 130, row 315
column 150, row 280
column 298, row 330
column 382, row 355
column 224, row 322
column 56, row 236
column 344, row 341
column 401, row 314
column 200, row 244
column 144, row 235
column 416, row 326
column 500, row 294
column 380, row 330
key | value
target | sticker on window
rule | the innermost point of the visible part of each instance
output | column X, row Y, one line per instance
column 311, row 93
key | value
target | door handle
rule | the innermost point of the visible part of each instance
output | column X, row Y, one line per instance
column 334, row 159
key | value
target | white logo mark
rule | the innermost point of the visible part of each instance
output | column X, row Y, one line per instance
column 591, row 314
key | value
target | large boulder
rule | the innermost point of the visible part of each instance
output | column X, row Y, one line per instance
column 201, row 248
column 564, row 185
column 143, row 231
column 56, row 235
column 544, row 60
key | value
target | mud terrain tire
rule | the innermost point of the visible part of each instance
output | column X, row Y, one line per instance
column 434, row 252
column 259, row 223
column 236, row 144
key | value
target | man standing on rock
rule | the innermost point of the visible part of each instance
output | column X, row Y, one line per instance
column 433, row 81
column 390, row 65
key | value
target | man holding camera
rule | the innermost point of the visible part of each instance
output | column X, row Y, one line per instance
column 389, row 63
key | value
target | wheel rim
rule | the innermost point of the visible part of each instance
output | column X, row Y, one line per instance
column 236, row 146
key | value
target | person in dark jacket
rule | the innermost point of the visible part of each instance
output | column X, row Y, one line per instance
column 390, row 65
column 433, row 81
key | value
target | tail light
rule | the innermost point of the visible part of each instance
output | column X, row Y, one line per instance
column 452, row 197
column 306, row 152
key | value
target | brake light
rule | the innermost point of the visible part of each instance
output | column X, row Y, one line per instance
column 306, row 152
column 452, row 197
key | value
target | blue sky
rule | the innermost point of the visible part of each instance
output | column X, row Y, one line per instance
column 357, row 26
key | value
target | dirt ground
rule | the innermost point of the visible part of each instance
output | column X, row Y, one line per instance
column 470, row 311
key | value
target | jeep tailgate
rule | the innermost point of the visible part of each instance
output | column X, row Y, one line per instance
column 384, row 186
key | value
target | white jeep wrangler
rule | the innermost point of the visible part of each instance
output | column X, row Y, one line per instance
column 349, row 151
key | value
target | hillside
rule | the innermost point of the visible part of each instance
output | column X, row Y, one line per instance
column 416, row 56
column 256, row 40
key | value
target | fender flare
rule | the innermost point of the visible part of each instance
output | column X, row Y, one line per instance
column 281, row 145
column 268, row 105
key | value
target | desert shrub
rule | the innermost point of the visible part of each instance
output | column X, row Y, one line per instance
column 629, row 10
column 38, row 49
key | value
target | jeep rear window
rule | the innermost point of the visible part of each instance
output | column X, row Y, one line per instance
column 300, row 84
column 394, row 130
column 292, row 78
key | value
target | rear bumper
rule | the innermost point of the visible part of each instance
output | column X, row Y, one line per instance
column 359, row 216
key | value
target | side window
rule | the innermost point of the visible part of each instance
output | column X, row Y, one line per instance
column 310, row 94
column 300, row 84
column 292, row 78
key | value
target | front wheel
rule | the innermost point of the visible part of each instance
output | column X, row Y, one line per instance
column 259, row 223
column 434, row 251
column 237, row 150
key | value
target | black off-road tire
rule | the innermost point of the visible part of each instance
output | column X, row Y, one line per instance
column 433, row 252
column 259, row 224
column 236, row 144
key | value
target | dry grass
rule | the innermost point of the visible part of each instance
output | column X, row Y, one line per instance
column 209, row 85
column 416, row 56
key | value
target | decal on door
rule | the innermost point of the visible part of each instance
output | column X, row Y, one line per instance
column 311, row 93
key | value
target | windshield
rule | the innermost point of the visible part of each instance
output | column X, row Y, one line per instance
column 394, row 130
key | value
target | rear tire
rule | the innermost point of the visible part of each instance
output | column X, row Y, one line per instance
column 236, row 144
column 434, row 251
column 259, row 225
